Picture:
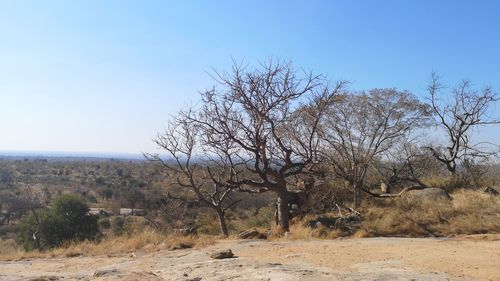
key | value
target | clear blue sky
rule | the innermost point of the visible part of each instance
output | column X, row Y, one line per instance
column 103, row 76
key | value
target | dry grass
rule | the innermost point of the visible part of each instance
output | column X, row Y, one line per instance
column 299, row 231
column 470, row 212
column 9, row 250
column 440, row 182
column 456, row 183
column 7, row 246
column 147, row 240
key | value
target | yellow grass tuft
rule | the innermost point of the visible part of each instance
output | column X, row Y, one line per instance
column 298, row 231
column 470, row 212
column 361, row 233
column 147, row 240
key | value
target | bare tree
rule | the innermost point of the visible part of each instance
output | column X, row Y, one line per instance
column 18, row 205
column 271, row 115
column 363, row 126
column 407, row 163
column 31, row 202
column 199, row 182
column 458, row 117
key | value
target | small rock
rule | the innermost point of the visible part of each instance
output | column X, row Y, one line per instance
column 224, row 254
column 251, row 234
column 319, row 221
column 180, row 246
column 103, row 272
column 45, row 278
column 491, row 191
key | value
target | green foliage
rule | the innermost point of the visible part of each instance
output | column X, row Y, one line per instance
column 104, row 223
column 100, row 181
column 133, row 198
column 6, row 177
column 107, row 193
column 118, row 225
column 67, row 219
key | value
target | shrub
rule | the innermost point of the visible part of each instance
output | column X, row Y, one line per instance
column 67, row 219
column 8, row 231
column 104, row 223
column 117, row 225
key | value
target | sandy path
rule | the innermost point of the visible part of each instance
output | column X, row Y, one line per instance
column 345, row 259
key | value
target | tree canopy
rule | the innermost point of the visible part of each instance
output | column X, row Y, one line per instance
column 66, row 219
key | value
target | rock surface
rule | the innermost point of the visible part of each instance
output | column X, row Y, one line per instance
column 251, row 234
column 104, row 272
column 491, row 191
column 224, row 254
column 180, row 246
column 383, row 259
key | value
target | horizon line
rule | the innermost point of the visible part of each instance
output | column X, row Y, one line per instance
column 83, row 154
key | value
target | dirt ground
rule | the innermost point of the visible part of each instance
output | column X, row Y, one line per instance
column 465, row 258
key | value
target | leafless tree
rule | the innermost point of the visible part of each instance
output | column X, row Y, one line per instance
column 200, row 180
column 363, row 126
column 18, row 205
column 458, row 117
column 28, row 202
column 476, row 170
column 407, row 163
column 271, row 116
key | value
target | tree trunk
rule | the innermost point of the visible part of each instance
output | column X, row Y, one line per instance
column 357, row 195
column 222, row 222
column 37, row 221
column 283, row 211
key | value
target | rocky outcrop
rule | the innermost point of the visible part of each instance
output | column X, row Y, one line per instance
column 252, row 234
column 224, row 254
column 491, row 191
column 431, row 193
column 104, row 272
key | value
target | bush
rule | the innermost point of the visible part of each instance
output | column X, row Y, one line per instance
column 8, row 231
column 67, row 219
column 104, row 223
column 117, row 226
column 127, row 226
